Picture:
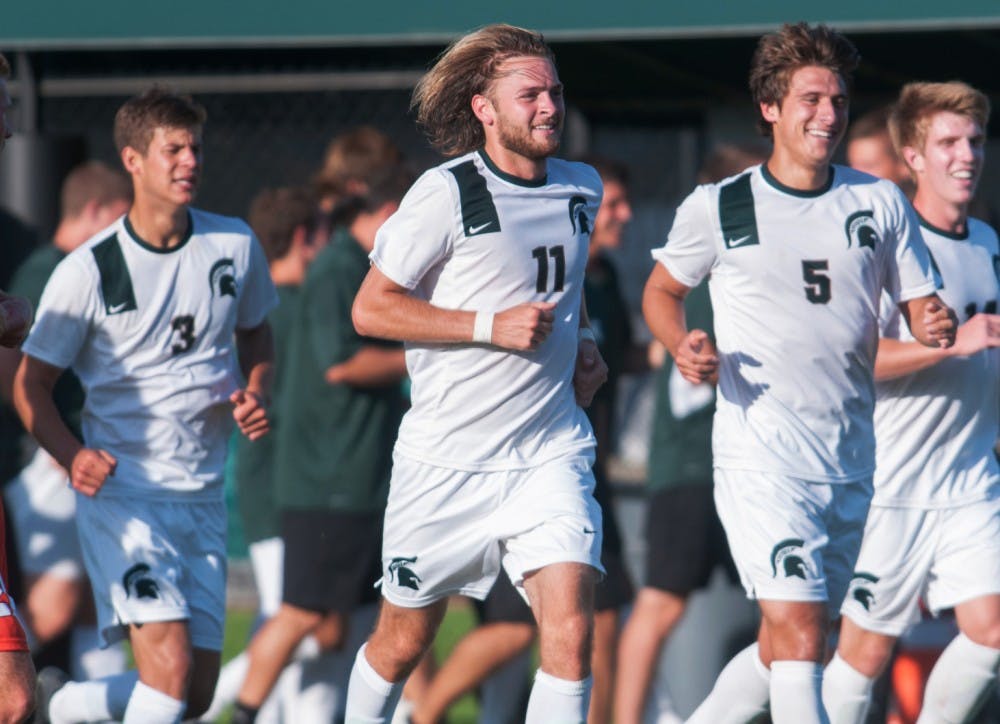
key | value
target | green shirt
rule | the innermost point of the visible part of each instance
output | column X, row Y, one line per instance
column 253, row 462
column 335, row 441
column 680, row 451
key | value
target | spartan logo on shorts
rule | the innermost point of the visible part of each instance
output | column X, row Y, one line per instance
column 222, row 278
column 860, row 589
column 786, row 559
column 401, row 574
column 137, row 580
column 578, row 215
column 860, row 230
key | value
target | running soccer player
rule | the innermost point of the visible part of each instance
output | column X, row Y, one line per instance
column 480, row 272
column 798, row 252
column 934, row 527
column 153, row 315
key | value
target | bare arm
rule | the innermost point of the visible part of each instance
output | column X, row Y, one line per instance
column 88, row 468
column 896, row 358
column 932, row 322
column 387, row 310
column 255, row 350
column 663, row 308
column 590, row 371
column 370, row 366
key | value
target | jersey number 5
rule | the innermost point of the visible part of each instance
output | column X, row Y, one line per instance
column 541, row 255
column 183, row 327
column 818, row 283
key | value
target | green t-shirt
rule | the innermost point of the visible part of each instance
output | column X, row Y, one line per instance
column 680, row 451
column 335, row 441
column 253, row 462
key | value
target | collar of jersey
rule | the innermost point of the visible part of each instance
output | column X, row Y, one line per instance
column 508, row 177
column 157, row 249
column 946, row 234
column 771, row 180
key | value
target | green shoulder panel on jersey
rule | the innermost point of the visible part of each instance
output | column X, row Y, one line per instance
column 479, row 213
column 116, row 282
column 736, row 213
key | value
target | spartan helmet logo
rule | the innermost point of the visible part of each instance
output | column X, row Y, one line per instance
column 222, row 278
column 402, row 574
column 137, row 580
column 785, row 557
column 860, row 589
column 578, row 215
column 860, row 230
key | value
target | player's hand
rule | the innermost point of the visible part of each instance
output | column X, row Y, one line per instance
column 15, row 320
column 250, row 413
column 940, row 323
column 524, row 327
column 696, row 358
column 590, row 373
column 89, row 469
column 979, row 333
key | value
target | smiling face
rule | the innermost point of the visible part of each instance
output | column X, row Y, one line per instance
column 613, row 215
column 811, row 119
column 948, row 166
column 169, row 171
column 522, row 112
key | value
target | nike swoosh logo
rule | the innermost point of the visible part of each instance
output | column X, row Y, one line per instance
column 115, row 308
column 481, row 227
column 588, row 531
column 738, row 242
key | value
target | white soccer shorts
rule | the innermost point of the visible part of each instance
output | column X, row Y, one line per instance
column 154, row 560
column 792, row 540
column 947, row 556
column 449, row 531
column 42, row 506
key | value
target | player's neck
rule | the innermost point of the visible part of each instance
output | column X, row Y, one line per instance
column 941, row 214
column 514, row 164
column 161, row 227
column 796, row 175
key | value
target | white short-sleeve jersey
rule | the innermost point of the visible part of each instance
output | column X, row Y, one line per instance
column 795, row 280
column 468, row 236
column 149, row 332
column 935, row 429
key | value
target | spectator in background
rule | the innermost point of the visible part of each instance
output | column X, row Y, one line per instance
column 41, row 503
column 340, row 415
column 349, row 160
column 291, row 231
column 16, row 670
column 685, row 541
column 870, row 149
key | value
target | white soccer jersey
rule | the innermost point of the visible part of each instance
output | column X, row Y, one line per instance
column 149, row 332
column 935, row 429
column 795, row 280
column 468, row 236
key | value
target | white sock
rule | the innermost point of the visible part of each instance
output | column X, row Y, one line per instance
column 99, row 700
column 370, row 698
column 149, row 706
column 846, row 692
column 558, row 701
column 959, row 682
column 88, row 660
column 741, row 692
column 231, row 678
column 796, row 693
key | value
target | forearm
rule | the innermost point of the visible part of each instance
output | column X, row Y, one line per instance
column 664, row 313
column 255, row 350
column 370, row 366
column 42, row 420
column 400, row 316
column 896, row 358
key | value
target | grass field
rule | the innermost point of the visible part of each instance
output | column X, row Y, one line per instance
column 458, row 620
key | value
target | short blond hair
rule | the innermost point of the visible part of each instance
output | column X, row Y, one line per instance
column 911, row 114
column 92, row 181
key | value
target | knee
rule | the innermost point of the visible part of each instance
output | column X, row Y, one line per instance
column 569, row 635
column 18, row 701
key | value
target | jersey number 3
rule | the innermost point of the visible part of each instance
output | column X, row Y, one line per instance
column 183, row 332
column 541, row 255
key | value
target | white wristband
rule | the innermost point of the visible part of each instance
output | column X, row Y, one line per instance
column 482, row 330
column 586, row 333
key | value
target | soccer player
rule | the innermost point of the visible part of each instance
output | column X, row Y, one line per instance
column 480, row 272
column 934, row 526
column 798, row 253
column 153, row 314
column 869, row 148
column 16, row 671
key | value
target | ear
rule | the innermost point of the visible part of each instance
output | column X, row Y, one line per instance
column 770, row 112
column 482, row 107
column 914, row 159
column 131, row 159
